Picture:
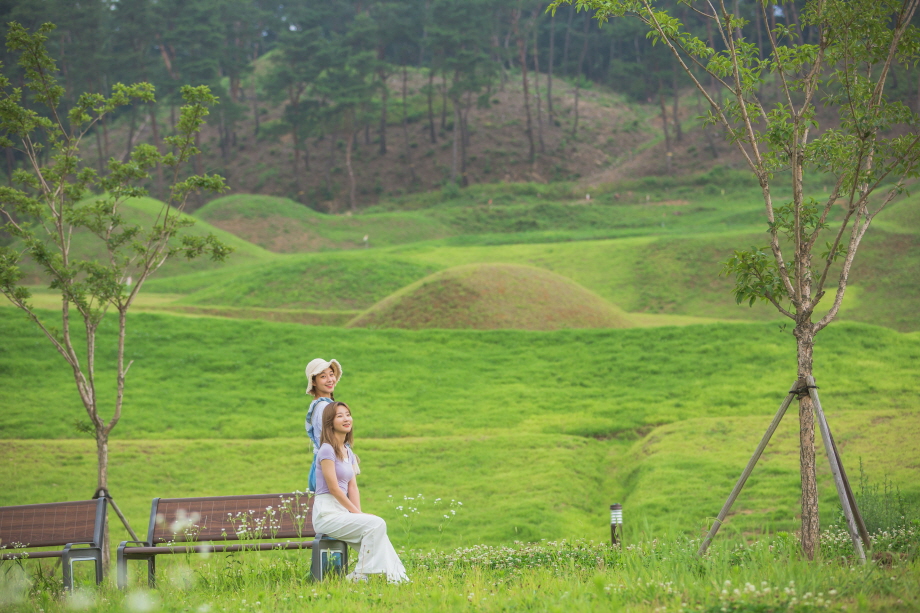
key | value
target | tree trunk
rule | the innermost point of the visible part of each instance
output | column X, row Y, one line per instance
column 565, row 44
column 918, row 94
column 464, row 140
column 224, row 136
column 199, row 166
column 457, row 135
column 795, row 20
column 330, row 165
column 131, row 129
column 9, row 165
column 295, row 136
column 536, row 82
column 737, row 31
column 255, row 110
column 156, row 143
column 678, row 133
column 664, row 125
column 522, row 56
column 549, row 74
column 405, row 123
column 443, row 101
column 105, row 137
column 581, row 61
column 102, row 482
column 98, row 132
column 384, row 97
column 804, row 334
column 352, row 204
column 431, row 132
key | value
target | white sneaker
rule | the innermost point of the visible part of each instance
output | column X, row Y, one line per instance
column 356, row 577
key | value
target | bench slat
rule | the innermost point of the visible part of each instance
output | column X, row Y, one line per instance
column 219, row 518
column 48, row 525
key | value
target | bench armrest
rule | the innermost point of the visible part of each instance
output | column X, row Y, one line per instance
column 124, row 544
column 68, row 546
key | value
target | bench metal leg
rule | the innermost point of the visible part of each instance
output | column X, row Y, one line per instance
column 121, row 569
column 68, row 574
column 99, row 569
column 328, row 556
column 151, row 572
column 81, row 555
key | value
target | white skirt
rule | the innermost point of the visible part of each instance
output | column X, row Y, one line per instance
column 364, row 532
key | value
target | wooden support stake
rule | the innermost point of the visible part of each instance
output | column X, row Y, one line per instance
column 749, row 468
column 102, row 492
column 834, row 461
column 860, row 523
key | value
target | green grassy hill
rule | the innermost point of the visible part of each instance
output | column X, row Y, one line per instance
column 284, row 226
column 536, row 432
column 501, row 213
column 334, row 282
column 493, row 297
column 144, row 211
column 653, row 248
column 218, row 378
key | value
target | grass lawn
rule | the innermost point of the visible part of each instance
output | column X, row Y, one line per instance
column 661, row 419
column 217, row 378
column 664, row 575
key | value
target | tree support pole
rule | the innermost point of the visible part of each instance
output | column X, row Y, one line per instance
column 104, row 493
column 749, row 468
column 860, row 523
column 836, row 471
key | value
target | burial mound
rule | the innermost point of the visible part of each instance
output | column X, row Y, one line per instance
column 490, row 297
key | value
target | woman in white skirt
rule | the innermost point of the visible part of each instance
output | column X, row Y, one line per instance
column 337, row 502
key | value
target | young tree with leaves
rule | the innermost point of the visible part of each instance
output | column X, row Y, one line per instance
column 871, row 145
column 60, row 198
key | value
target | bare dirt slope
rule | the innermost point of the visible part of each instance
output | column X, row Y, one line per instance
column 615, row 138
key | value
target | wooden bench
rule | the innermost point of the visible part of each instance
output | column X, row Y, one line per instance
column 220, row 524
column 78, row 527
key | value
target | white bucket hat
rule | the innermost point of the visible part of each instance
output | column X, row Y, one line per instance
column 319, row 365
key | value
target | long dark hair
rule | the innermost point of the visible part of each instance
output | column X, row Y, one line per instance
column 328, row 433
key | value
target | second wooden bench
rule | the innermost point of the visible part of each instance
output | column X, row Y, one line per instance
column 218, row 524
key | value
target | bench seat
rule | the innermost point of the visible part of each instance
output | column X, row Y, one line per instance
column 228, row 524
column 216, row 548
column 77, row 527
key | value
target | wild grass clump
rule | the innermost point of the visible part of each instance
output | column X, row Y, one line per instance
column 883, row 507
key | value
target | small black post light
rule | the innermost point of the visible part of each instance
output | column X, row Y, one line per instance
column 616, row 524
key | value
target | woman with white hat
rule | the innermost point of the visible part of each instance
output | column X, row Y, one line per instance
column 322, row 377
column 337, row 504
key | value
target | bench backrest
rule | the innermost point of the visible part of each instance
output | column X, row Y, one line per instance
column 231, row 518
column 52, row 524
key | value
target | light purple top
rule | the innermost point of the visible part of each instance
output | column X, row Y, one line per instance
column 344, row 471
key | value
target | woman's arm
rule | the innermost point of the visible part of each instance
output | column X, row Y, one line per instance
column 353, row 494
column 332, row 482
